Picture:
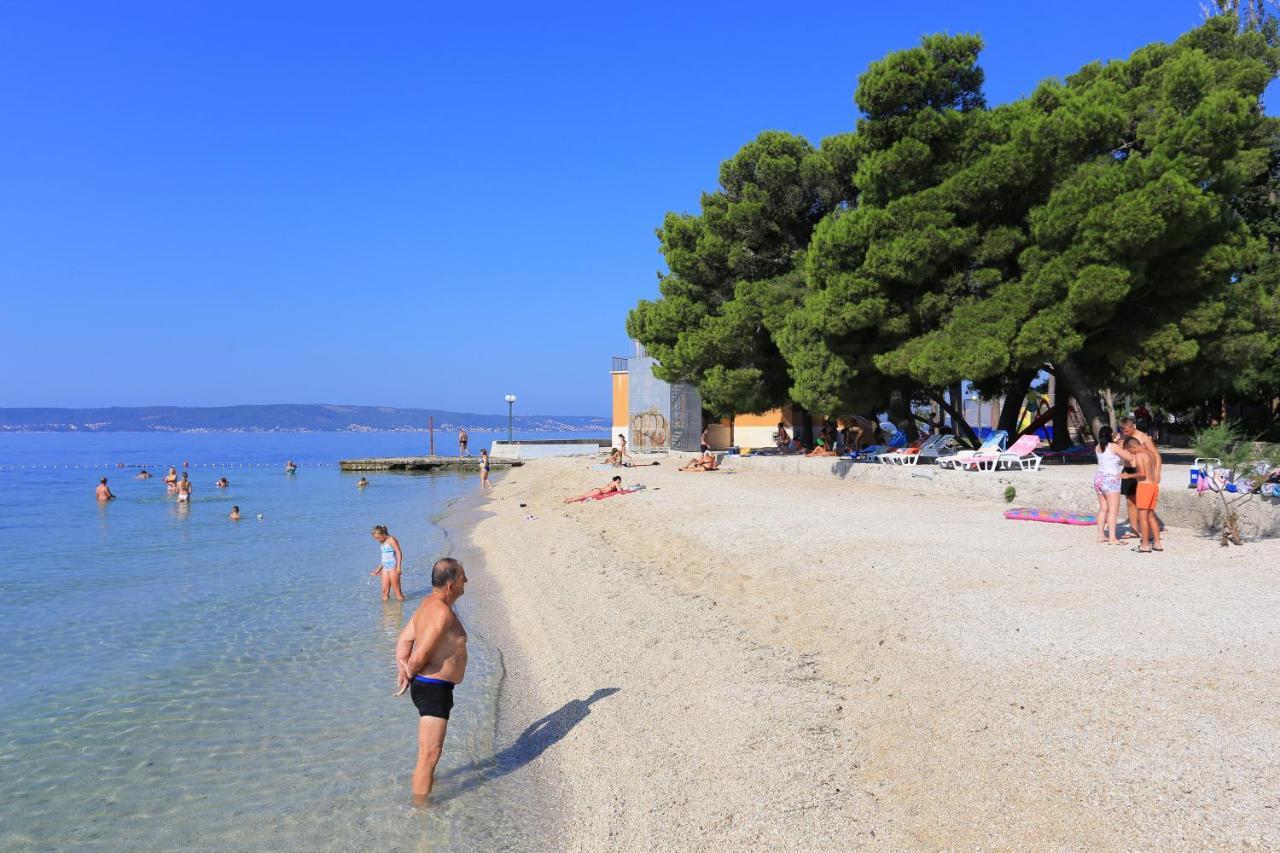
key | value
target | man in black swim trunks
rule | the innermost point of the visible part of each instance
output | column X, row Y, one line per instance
column 431, row 657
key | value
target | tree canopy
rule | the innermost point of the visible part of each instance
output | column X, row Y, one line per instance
column 1119, row 225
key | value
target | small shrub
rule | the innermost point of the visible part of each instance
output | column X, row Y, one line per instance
column 1009, row 494
column 1248, row 463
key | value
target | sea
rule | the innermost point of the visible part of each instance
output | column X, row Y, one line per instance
column 172, row 679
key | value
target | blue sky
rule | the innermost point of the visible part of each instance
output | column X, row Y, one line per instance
column 402, row 204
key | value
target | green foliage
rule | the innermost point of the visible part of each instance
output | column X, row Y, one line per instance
column 733, row 269
column 1122, row 221
column 1009, row 494
column 1249, row 463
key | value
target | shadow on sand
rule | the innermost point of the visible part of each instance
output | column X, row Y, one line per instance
column 533, row 741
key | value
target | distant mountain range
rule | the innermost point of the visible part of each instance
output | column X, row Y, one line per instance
column 281, row 418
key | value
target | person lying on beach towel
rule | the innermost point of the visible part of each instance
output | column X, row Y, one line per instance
column 615, row 485
column 705, row 462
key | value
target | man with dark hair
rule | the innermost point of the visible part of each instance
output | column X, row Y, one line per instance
column 431, row 657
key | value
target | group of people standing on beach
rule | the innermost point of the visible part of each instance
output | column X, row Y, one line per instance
column 1129, row 466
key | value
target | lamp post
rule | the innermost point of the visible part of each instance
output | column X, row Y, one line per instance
column 511, row 402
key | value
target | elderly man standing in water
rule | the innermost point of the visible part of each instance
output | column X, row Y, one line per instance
column 431, row 658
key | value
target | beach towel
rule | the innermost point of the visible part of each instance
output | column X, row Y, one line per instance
column 1054, row 516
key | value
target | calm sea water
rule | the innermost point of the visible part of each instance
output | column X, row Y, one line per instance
column 173, row 679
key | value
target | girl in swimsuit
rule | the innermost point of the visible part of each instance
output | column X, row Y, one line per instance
column 390, row 562
column 615, row 485
column 484, row 470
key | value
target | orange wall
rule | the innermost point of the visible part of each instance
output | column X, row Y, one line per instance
column 766, row 419
column 620, row 391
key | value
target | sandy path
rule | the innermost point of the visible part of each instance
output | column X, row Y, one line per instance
column 806, row 663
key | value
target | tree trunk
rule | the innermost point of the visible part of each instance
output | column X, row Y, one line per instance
column 1110, row 399
column 1014, row 400
column 900, row 414
column 1079, row 388
column 958, row 423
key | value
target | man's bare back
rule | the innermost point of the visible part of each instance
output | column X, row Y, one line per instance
column 436, row 622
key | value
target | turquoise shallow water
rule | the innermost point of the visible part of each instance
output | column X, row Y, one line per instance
column 172, row 679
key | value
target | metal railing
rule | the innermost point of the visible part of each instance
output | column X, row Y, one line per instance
column 619, row 364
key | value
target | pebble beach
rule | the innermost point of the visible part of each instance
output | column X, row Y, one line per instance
column 752, row 658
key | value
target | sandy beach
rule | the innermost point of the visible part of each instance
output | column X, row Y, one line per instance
column 765, row 660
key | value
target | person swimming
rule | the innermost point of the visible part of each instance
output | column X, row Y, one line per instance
column 235, row 513
column 363, row 482
column 222, row 483
column 290, row 467
column 184, row 489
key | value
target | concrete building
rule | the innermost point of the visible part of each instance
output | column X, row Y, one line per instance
column 651, row 413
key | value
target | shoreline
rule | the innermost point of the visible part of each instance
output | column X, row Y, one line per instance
column 487, row 616
column 768, row 659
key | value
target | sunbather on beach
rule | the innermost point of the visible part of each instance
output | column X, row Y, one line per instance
column 615, row 485
column 821, row 449
column 782, row 437
column 705, row 462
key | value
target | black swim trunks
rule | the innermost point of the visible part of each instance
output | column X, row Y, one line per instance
column 433, row 697
column 1129, row 486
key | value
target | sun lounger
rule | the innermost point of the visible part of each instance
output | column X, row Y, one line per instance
column 911, row 455
column 867, row 454
column 1019, row 453
column 992, row 446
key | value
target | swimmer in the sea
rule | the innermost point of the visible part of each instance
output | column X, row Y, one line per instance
column 144, row 474
column 235, row 513
column 171, row 479
column 290, row 467
column 104, row 493
column 363, row 482
column 184, row 489
column 222, row 483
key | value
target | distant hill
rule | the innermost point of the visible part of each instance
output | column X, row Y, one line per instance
column 280, row 418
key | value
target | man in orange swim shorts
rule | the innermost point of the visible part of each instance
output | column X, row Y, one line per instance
column 1147, row 496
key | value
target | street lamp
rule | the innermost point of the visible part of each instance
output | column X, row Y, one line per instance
column 511, row 401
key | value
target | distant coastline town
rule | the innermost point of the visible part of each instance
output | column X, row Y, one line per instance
column 284, row 418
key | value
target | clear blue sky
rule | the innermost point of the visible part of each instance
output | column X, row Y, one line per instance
column 402, row 203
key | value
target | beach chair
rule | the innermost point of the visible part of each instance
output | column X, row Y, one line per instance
column 994, row 444
column 867, row 454
column 911, row 455
column 1022, row 454
column 1017, row 452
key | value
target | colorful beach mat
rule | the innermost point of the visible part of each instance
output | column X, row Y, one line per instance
column 1053, row 516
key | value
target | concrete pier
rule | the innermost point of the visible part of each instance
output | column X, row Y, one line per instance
column 423, row 463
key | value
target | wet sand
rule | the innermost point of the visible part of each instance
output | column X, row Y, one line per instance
column 760, row 659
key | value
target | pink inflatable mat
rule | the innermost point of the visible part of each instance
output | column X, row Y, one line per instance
column 1053, row 516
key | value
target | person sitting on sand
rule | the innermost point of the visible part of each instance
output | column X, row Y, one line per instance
column 144, row 474
column 103, row 492
column 235, row 513
column 705, row 462
column 781, row 436
column 363, row 482
column 615, row 485
column 820, row 449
